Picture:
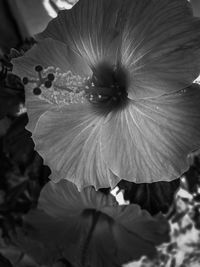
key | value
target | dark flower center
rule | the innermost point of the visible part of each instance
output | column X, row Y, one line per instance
column 108, row 87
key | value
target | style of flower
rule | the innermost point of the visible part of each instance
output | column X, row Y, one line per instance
column 89, row 228
column 111, row 96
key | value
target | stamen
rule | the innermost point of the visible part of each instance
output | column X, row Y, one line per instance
column 51, row 77
column 56, row 87
column 48, row 84
column 37, row 91
column 25, row 80
column 38, row 68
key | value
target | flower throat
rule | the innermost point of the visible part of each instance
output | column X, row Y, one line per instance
column 109, row 86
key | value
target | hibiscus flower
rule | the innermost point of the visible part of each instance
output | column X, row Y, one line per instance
column 108, row 91
column 88, row 228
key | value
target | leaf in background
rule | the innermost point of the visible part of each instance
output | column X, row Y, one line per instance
column 5, row 262
column 156, row 197
column 11, row 94
column 4, row 125
column 18, row 143
column 192, row 176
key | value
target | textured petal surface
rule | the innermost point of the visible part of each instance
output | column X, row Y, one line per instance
column 89, row 29
column 140, row 222
column 117, row 235
column 62, row 199
column 69, row 141
column 128, row 233
column 150, row 140
column 47, row 53
column 35, row 108
column 160, row 46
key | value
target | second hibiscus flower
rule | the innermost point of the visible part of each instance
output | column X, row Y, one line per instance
column 109, row 92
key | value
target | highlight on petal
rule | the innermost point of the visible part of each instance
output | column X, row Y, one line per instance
column 47, row 54
column 160, row 46
column 107, row 235
column 69, row 141
column 150, row 140
column 89, row 29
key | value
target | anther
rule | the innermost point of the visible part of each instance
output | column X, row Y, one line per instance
column 38, row 68
column 50, row 77
column 25, row 80
column 37, row 91
column 48, row 84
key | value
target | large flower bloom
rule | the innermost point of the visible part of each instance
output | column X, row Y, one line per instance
column 88, row 228
column 116, row 107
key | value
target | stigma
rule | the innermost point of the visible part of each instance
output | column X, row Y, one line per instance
column 106, row 87
column 56, row 87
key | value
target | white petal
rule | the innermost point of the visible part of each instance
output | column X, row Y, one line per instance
column 150, row 140
column 47, row 53
column 89, row 29
column 160, row 46
column 69, row 142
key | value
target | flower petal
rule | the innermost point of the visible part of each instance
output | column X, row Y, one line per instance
column 69, row 141
column 133, row 219
column 132, row 247
column 110, row 237
column 126, row 243
column 150, row 140
column 59, row 225
column 102, row 248
column 62, row 199
column 35, row 108
column 47, row 53
column 89, row 29
column 160, row 46
column 136, row 232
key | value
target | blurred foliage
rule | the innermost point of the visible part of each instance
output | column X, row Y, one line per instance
column 22, row 173
column 155, row 197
